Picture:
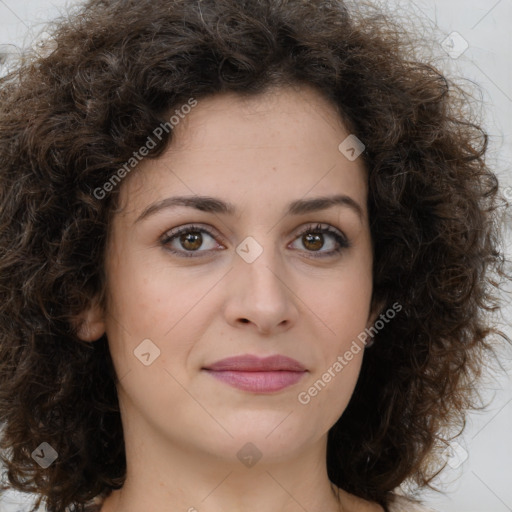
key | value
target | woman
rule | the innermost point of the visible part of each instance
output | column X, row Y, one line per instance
column 247, row 253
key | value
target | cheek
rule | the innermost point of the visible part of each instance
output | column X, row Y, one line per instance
column 147, row 298
column 326, row 395
column 343, row 304
column 150, row 301
column 343, row 307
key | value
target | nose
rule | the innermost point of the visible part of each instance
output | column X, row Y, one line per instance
column 260, row 295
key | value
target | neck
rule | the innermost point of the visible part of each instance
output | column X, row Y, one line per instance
column 179, row 479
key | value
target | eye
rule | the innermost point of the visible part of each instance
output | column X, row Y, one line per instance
column 189, row 239
column 313, row 239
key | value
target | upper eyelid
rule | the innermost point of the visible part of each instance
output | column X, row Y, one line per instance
column 213, row 232
column 210, row 230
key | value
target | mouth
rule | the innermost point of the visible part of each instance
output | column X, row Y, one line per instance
column 258, row 375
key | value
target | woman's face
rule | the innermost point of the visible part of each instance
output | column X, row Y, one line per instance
column 254, row 278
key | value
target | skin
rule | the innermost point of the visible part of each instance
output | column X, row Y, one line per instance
column 182, row 427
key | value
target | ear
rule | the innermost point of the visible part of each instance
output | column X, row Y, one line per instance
column 90, row 324
column 375, row 311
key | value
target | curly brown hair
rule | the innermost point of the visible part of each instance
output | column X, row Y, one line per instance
column 68, row 121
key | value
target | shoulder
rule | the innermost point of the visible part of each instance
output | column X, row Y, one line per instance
column 403, row 504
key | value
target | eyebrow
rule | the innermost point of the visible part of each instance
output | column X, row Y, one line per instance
column 215, row 205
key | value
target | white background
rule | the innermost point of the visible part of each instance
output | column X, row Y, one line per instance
column 483, row 480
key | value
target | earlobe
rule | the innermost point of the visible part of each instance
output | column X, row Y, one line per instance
column 375, row 311
column 90, row 325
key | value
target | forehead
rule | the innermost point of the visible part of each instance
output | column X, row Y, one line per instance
column 287, row 117
column 280, row 145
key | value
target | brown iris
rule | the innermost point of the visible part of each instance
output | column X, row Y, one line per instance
column 191, row 240
column 315, row 239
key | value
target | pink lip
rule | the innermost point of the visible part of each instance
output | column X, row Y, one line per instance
column 262, row 375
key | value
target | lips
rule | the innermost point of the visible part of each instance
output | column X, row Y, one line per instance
column 249, row 363
column 255, row 374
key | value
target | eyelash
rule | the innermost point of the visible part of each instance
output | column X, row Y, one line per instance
column 342, row 241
